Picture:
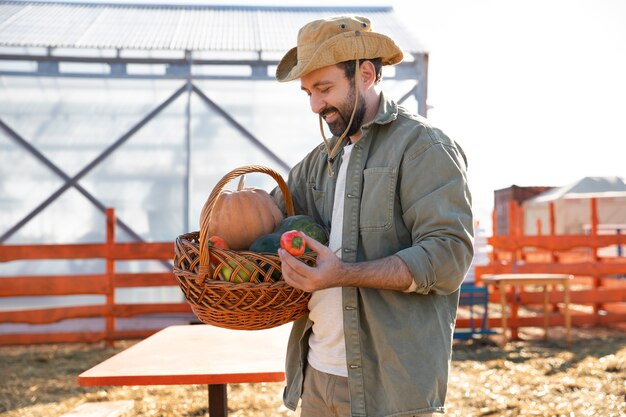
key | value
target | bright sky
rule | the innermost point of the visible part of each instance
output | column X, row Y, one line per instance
column 533, row 90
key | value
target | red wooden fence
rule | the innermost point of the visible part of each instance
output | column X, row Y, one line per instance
column 94, row 284
column 595, row 286
column 599, row 288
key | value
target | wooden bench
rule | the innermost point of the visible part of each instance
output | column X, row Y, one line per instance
column 102, row 409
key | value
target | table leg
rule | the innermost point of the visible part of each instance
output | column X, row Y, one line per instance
column 568, row 318
column 516, row 298
column 218, row 401
column 503, row 305
column 545, row 312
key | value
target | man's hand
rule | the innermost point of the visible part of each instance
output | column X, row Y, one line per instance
column 389, row 273
column 325, row 274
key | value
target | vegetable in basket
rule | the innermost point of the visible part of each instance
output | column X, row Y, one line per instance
column 242, row 215
column 244, row 272
column 293, row 242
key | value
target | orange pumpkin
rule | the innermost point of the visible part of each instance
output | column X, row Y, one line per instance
column 241, row 216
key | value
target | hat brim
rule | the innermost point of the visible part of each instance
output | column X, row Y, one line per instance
column 340, row 48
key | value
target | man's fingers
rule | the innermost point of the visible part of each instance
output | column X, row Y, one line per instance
column 312, row 243
column 295, row 272
column 293, row 263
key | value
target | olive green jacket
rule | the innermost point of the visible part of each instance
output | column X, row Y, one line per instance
column 406, row 194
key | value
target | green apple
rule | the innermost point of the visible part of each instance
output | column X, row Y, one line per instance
column 242, row 275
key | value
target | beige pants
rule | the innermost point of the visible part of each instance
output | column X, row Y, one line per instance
column 326, row 395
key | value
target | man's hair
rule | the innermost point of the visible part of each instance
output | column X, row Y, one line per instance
column 349, row 68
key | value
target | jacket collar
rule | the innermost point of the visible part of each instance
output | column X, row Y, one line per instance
column 387, row 111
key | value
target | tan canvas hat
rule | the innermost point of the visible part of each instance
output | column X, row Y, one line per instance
column 330, row 41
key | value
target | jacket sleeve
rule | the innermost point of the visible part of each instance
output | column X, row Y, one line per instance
column 296, row 182
column 436, row 206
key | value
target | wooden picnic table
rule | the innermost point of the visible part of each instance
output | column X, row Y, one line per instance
column 197, row 354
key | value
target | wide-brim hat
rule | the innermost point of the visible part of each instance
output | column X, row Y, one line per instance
column 337, row 39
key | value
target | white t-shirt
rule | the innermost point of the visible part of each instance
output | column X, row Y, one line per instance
column 327, row 347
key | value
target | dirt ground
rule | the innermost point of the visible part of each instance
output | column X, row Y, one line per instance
column 529, row 377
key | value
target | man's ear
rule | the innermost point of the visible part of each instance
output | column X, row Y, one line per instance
column 367, row 75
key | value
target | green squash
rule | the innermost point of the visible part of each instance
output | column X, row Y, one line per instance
column 304, row 224
column 269, row 243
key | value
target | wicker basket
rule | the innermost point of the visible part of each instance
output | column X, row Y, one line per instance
column 265, row 301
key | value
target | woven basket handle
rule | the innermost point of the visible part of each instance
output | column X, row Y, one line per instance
column 205, row 216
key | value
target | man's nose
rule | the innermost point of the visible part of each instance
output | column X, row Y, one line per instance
column 317, row 105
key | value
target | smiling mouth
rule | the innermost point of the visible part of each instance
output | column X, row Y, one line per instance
column 328, row 114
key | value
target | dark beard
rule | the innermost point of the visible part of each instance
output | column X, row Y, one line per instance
column 358, row 117
column 340, row 125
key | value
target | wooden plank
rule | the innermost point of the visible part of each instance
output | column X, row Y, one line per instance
column 579, row 268
column 51, row 315
column 584, row 296
column 147, row 279
column 144, row 250
column 119, row 251
column 559, row 320
column 554, row 243
column 29, row 285
column 52, row 251
column 590, row 296
column 72, row 337
column 130, row 310
column 43, row 338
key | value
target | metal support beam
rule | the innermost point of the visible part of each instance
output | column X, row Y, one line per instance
column 187, row 185
column 241, row 129
column 48, row 66
column 421, row 93
column 408, row 94
column 408, row 71
column 259, row 72
column 73, row 181
column 22, row 142
column 176, row 71
column 118, row 70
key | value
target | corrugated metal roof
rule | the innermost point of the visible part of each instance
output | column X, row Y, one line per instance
column 175, row 27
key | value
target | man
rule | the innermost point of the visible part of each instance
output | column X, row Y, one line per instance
column 393, row 192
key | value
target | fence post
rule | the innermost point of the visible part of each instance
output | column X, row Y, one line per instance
column 553, row 255
column 552, row 229
column 493, row 255
column 594, row 226
column 110, row 271
column 516, row 256
column 521, row 231
column 597, row 280
column 513, row 231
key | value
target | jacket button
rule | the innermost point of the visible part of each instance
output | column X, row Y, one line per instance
column 353, row 366
column 350, row 308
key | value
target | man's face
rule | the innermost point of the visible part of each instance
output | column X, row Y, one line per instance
column 332, row 96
